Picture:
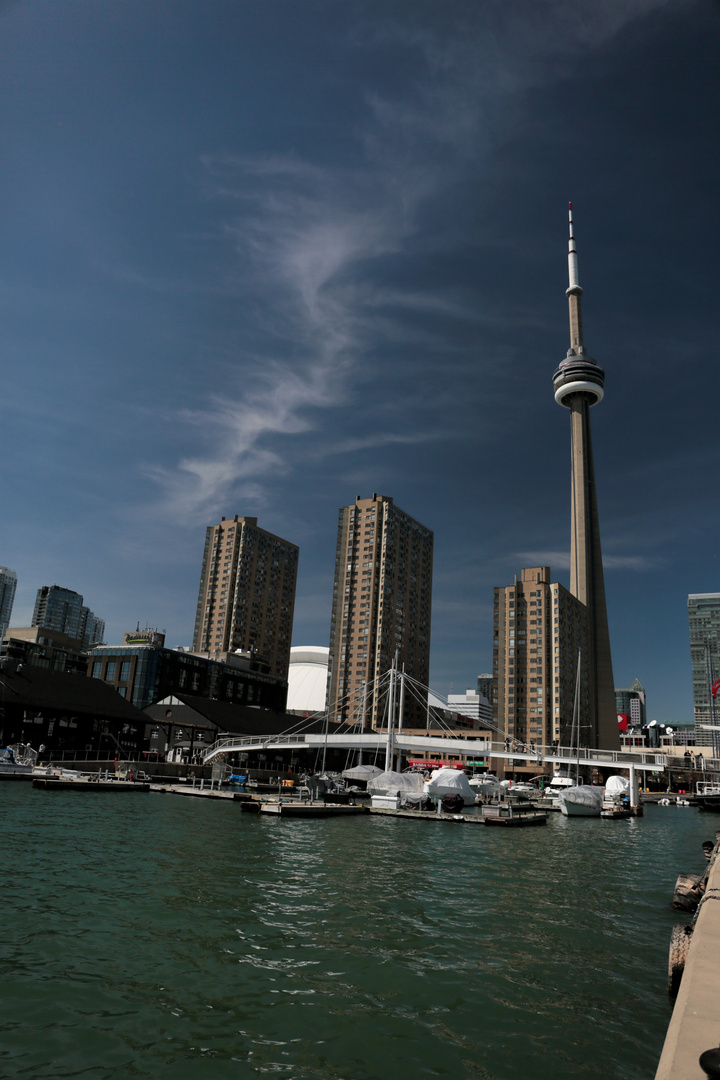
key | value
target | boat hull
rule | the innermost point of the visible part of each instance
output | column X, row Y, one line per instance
column 578, row 809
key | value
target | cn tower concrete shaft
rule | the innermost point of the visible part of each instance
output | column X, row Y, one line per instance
column 587, row 582
column 579, row 384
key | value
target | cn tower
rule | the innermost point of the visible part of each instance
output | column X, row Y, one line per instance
column 578, row 384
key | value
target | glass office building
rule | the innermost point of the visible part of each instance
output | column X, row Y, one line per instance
column 704, row 619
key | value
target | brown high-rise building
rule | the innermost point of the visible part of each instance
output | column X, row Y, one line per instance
column 247, row 593
column 539, row 630
column 579, row 384
column 382, row 599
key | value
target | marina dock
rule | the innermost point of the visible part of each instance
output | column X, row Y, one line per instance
column 116, row 786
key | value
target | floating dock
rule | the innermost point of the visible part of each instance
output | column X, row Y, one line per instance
column 299, row 809
column 116, row 786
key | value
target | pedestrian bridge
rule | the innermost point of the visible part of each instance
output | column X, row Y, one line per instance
column 427, row 746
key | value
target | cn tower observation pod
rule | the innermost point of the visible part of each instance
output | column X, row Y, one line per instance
column 578, row 374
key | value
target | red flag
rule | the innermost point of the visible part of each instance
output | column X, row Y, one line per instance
column 622, row 721
column 715, row 688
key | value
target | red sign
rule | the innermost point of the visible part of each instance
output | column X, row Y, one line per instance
column 436, row 764
column 622, row 721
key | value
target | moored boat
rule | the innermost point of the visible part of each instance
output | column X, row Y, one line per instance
column 584, row 800
column 707, row 795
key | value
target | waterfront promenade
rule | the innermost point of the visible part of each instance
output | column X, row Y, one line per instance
column 695, row 1023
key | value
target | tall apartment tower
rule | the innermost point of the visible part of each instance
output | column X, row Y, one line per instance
column 246, row 599
column 8, row 585
column 540, row 628
column 578, row 384
column 62, row 609
column 382, row 600
column 704, row 619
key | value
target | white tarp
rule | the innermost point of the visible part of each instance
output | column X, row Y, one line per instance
column 395, row 781
column 362, row 772
column 617, row 785
column 449, row 782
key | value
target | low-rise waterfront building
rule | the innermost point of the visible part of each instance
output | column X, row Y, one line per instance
column 67, row 715
column 49, row 649
column 144, row 673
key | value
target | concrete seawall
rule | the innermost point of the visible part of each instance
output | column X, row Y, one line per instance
column 695, row 1022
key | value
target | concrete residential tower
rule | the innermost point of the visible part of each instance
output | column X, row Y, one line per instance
column 578, row 384
column 246, row 598
column 382, row 598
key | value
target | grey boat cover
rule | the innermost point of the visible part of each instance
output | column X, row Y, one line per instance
column 389, row 783
column 617, row 785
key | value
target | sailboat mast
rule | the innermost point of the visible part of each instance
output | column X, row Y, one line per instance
column 575, row 733
column 391, row 716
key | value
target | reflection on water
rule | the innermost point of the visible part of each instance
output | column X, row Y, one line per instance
column 165, row 937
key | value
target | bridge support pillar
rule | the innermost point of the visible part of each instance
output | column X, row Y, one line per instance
column 635, row 804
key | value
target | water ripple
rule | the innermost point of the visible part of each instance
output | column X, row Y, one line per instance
column 159, row 937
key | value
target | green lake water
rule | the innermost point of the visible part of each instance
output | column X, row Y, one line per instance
column 164, row 937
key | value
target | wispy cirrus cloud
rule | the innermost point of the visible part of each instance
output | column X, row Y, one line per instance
column 310, row 236
column 561, row 560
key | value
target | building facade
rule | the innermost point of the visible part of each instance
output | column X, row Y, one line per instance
column 246, row 599
column 471, row 704
column 382, row 604
column 541, row 630
column 704, row 621
column 64, row 610
column 144, row 673
column 8, row 586
column 630, row 703
column 43, row 648
column 485, row 686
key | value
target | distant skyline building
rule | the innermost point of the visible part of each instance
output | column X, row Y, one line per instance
column 246, row 599
column 485, row 686
column 8, row 587
column 57, row 608
column 540, row 628
column 382, row 603
column 471, row 704
column 578, row 384
column 704, row 623
column 631, row 703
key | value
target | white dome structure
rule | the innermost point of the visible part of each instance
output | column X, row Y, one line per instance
column 307, row 678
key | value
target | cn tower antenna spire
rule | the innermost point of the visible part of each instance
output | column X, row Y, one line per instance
column 574, row 292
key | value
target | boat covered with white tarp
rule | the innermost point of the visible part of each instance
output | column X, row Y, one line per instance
column 449, row 782
column 584, row 800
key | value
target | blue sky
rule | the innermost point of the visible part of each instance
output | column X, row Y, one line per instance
column 261, row 257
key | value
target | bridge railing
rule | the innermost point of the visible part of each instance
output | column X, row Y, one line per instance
column 251, row 742
column 620, row 758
